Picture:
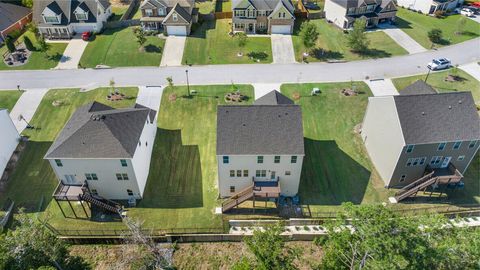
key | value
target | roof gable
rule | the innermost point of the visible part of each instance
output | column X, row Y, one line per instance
column 182, row 15
column 273, row 98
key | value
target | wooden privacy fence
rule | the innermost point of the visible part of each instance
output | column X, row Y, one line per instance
column 223, row 15
column 120, row 24
column 131, row 8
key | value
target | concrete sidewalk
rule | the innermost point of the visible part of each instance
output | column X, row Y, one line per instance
column 282, row 49
column 150, row 96
column 404, row 40
column 473, row 69
column 262, row 89
column 173, row 51
column 26, row 106
column 382, row 87
column 72, row 54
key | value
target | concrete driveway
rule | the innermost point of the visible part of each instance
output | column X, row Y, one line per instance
column 404, row 40
column 173, row 51
column 475, row 18
column 282, row 49
column 72, row 54
column 262, row 89
column 473, row 69
column 382, row 87
column 26, row 106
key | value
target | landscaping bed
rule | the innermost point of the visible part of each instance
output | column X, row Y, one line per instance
column 119, row 48
column 332, row 45
column 417, row 26
column 210, row 43
column 8, row 99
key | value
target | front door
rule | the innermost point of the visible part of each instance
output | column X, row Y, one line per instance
column 445, row 162
column 250, row 27
column 70, row 179
column 272, row 175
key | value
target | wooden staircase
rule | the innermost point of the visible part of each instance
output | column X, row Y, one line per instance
column 108, row 205
column 238, row 198
column 416, row 186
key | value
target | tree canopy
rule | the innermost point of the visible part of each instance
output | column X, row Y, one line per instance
column 309, row 34
column 357, row 38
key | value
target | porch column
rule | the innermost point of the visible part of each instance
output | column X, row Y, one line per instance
column 254, row 28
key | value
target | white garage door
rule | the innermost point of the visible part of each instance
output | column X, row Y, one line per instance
column 79, row 29
column 281, row 29
column 177, row 30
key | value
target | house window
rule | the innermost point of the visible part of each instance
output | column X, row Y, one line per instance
column 441, row 146
column 351, row 11
column 232, row 189
column 93, row 191
column 260, row 159
column 50, row 19
column 288, row 173
column 416, row 161
column 58, row 162
column 161, row 11
column 276, row 159
column 294, row 159
column 435, row 160
column 82, row 16
column 129, row 192
column 239, row 13
column 122, row 176
column 402, row 178
column 261, row 173
column 226, row 160
column 472, row 144
column 239, row 173
column 461, row 158
column 457, row 145
column 245, row 173
column 422, row 160
column 123, row 162
column 148, row 12
column 174, row 17
column 409, row 162
column 410, row 148
column 261, row 25
column 232, row 173
column 91, row 176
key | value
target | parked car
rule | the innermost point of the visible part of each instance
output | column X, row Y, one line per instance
column 467, row 12
column 86, row 36
column 441, row 63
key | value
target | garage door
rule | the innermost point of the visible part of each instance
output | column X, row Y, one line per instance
column 281, row 29
column 177, row 30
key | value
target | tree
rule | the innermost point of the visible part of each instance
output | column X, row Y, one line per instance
column 28, row 43
column 381, row 239
column 435, row 35
column 32, row 246
column 309, row 34
column 357, row 38
column 461, row 25
column 140, row 36
column 10, row 44
column 269, row 250
column 27, row 3
column 242, row 39
column 43, row 46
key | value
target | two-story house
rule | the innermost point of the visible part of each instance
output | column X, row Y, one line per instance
column 174, row 17
column 430, row 6
column 106, row 150
column 260, row 148
column 343, row 13
column 263, row 16
column 420, row 140
column 9, row 139
column 64, row 18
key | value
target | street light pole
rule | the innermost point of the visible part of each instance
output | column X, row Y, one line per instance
column 188, row 85
column 428, row 74
column 20, row 117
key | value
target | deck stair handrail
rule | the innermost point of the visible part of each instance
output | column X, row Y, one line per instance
column 238, row 198
column 116, row 208
column 414, row 187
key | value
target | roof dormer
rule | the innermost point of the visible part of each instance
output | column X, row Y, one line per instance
column 50, row 16
column 81, row 12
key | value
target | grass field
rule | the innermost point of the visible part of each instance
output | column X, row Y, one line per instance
column 118, row 48
column 118, row 11
column 437, row 80
column 38, row 60
column 205, row 7
column 211, row 44
column 332, row 44
column 33, row 181
column 418, row 25
column 223, row 6
column 9, row 98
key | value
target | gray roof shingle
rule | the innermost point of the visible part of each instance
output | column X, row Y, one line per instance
column 96, row 130
column 273, row 98
column 66, row 9
column 10, row 14
column 418, row 88
column 260, row 130
column 443, row 117
column 263, row 4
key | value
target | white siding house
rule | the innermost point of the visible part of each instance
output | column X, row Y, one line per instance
column 9, row 139
column 260, row 144
column 430, row 6
column 108, row 148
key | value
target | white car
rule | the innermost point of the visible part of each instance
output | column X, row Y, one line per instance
column 441, row 63
column 467, row 12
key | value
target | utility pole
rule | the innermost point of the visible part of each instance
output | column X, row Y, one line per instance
column 428, row 74
column 188, row 85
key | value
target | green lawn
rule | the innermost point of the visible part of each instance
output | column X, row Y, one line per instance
column 223, row 6
column 38, row 60
column 205, row 7
column 417, row 26
column 9, row 98
column 33, row 180
column 437, row 80
column 118, row 48
column 332, row 45
column 118, row 12
column 211, row 44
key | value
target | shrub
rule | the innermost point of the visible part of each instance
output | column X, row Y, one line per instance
column 15, row 34
column 28, row 43
column 435, row 35
column 10, row 45
column 439, row 14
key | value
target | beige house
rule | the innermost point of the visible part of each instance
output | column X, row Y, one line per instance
column 430, row 6
column 174, row 17
column 343, row 13
column 263, row 16
column 260, row 149
column 423, row 139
